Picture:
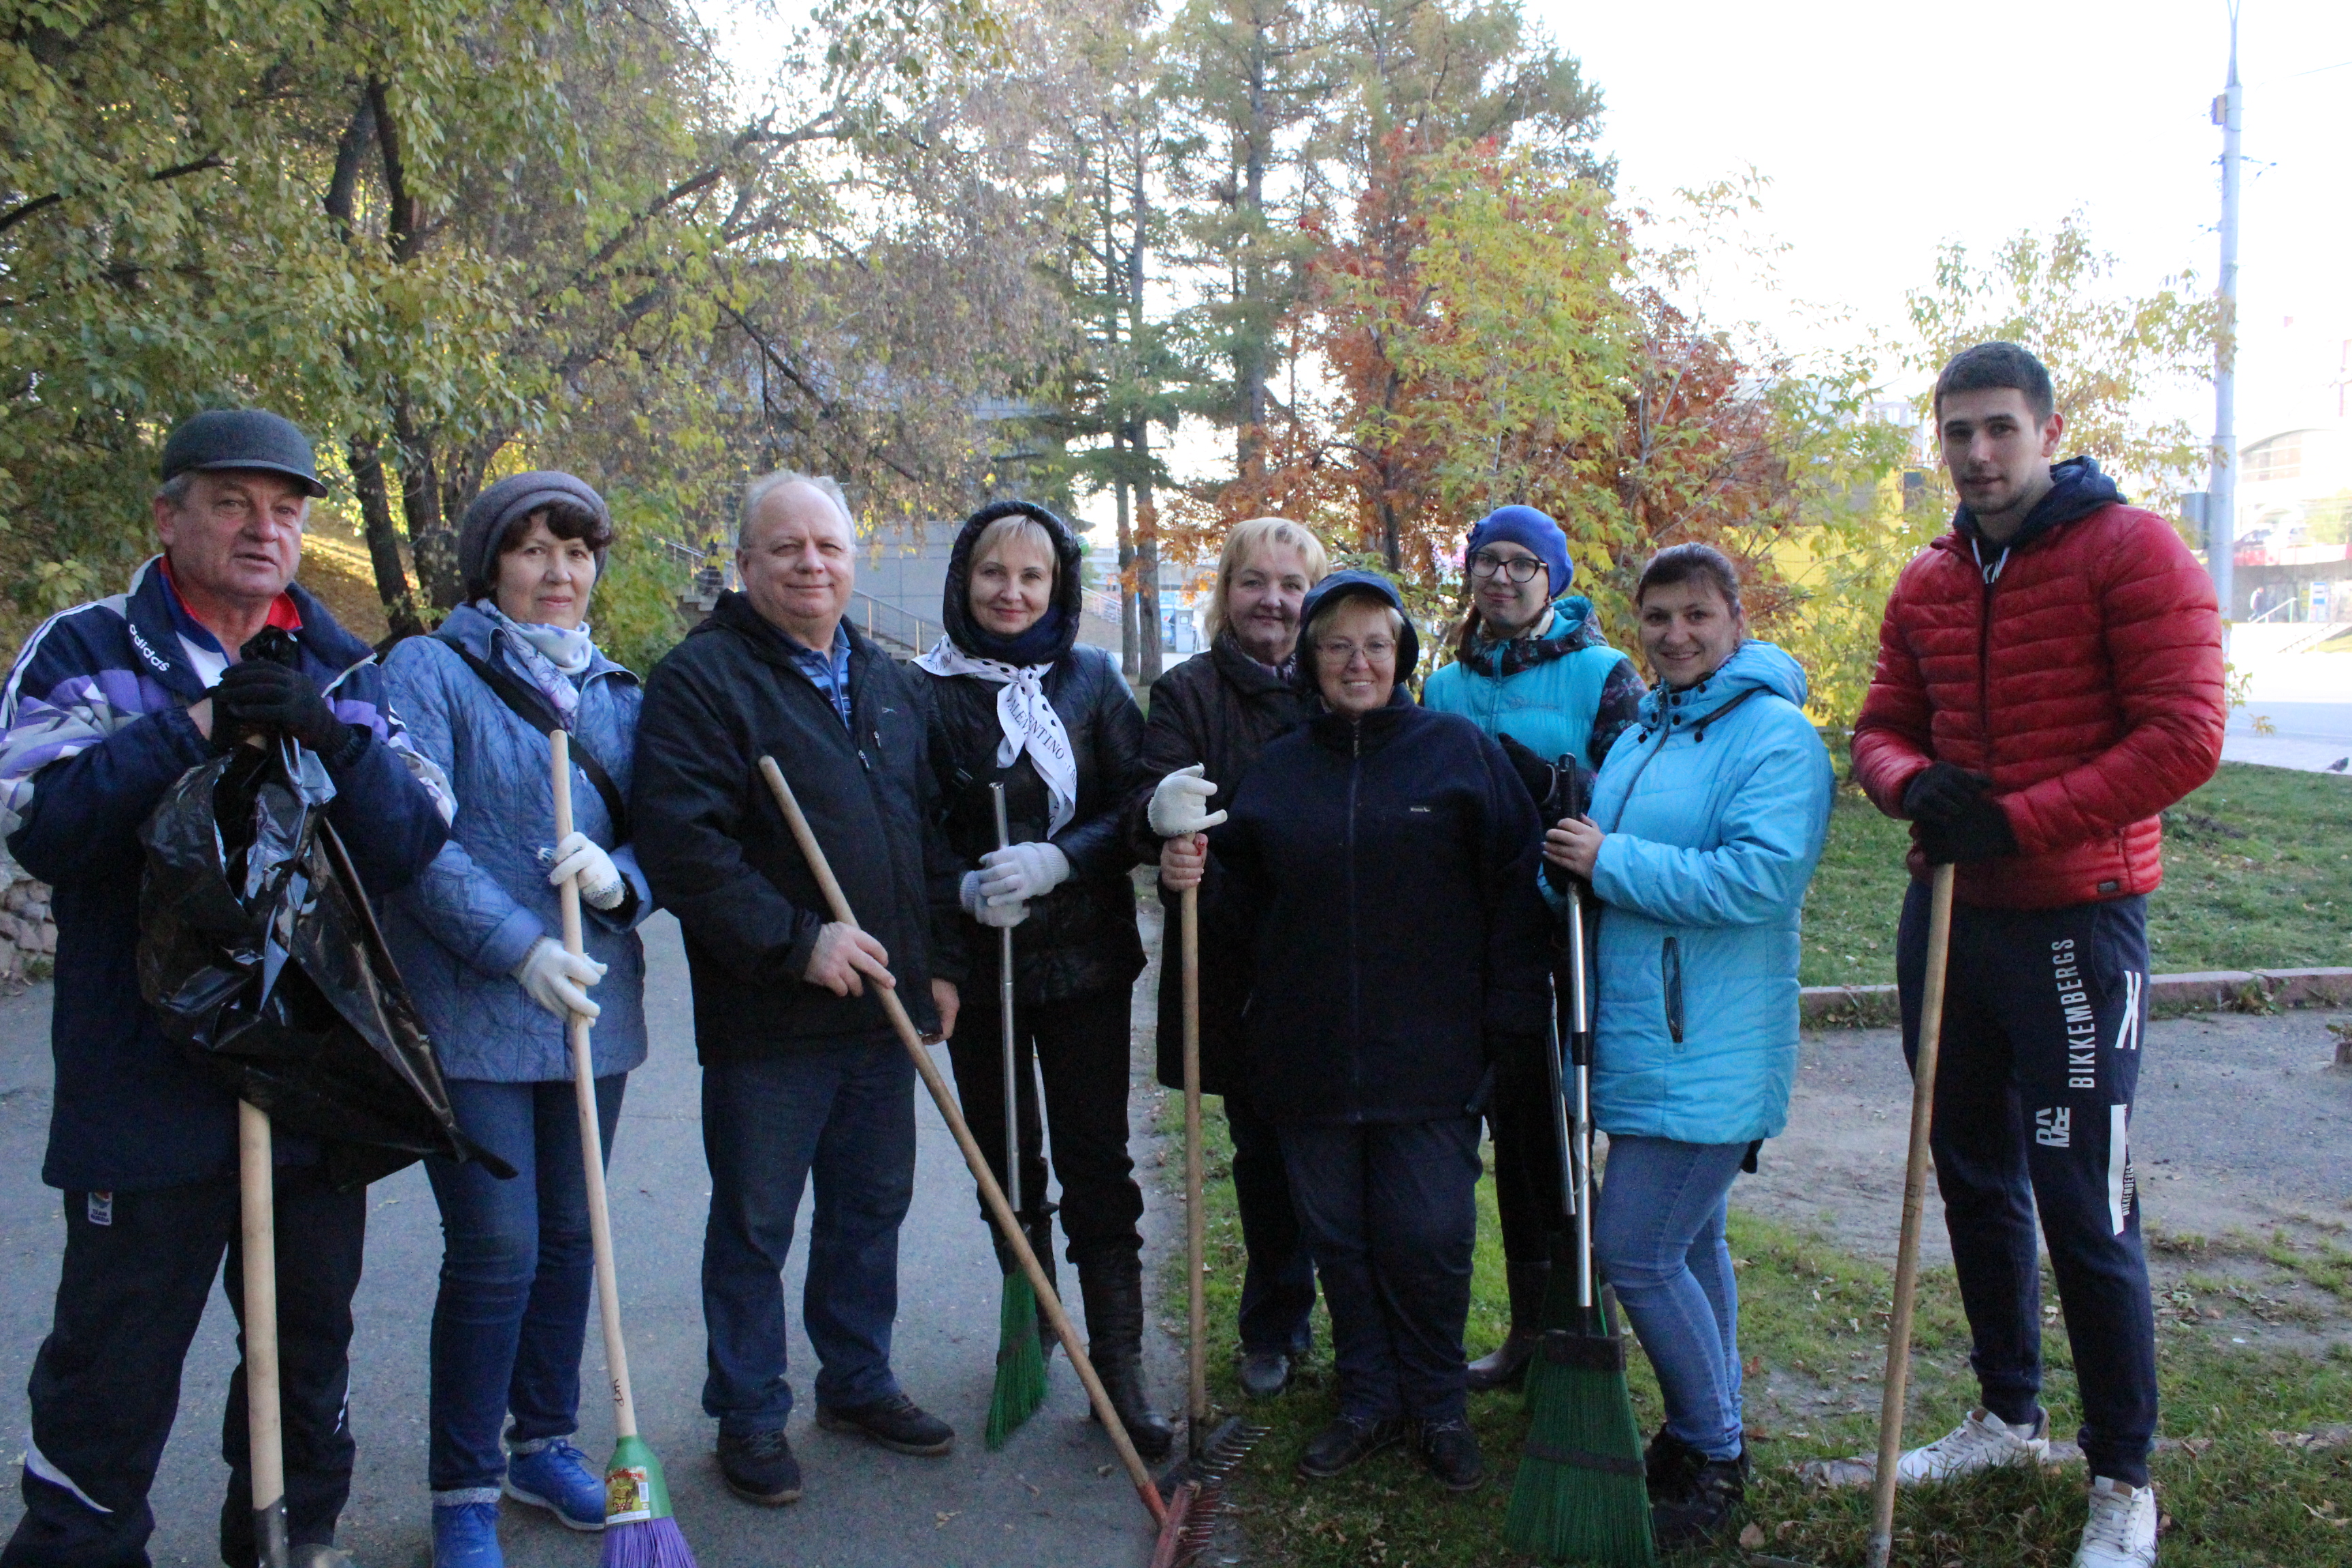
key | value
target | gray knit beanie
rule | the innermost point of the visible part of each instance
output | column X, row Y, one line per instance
column 496, row 510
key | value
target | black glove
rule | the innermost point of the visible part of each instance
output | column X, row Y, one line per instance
column 1942, row 793
column 1979, row 831
column 1535, row 772
column 260, row 697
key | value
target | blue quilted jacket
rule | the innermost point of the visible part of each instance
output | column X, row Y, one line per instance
column 458, row 931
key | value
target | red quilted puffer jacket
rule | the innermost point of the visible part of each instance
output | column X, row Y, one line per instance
column 2080, row 669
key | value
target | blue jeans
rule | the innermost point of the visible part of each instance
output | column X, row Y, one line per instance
column 847, row 1116
column 516, row 1264
column 1390, row 1213
column 1657, row 1234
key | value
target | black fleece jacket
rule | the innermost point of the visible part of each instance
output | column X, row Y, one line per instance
column 718, row 853
column 1382, row 874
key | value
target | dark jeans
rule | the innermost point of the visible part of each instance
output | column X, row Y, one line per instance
column 516, row 1264
column 106, row 1383
column 2043, row 1015
column 1657, row 1234
column 1390, row 1209
column 1278, row 1276
column 844, row 1116
column 1527, row 1157
column 1082, row 1046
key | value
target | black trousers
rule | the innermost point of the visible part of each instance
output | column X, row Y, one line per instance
column 1278, row 1276
column 139, row 1268
column 1080, row 1048
column 2042, row 1015
column 1527, row 1157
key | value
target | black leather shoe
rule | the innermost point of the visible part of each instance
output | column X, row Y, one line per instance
column 1264, row 1373
column 1345, row 1443
column 1669, row 1465
column 896, row 1423
column 1714, row 1491
column 760, row 1468
column 1506, row 1366
column 1450, row 1450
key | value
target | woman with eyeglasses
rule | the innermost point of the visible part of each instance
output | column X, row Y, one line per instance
column 1532, row 669
column 1380, row 870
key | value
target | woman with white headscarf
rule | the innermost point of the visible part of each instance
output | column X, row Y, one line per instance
column 1015, row 700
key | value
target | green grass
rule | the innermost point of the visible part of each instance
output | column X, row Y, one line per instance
column 2257, row 875
column 1811, row 1325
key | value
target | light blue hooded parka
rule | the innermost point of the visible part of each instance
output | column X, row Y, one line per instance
column 1714, row 807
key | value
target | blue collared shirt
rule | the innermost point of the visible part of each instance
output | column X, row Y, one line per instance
column 829, row 669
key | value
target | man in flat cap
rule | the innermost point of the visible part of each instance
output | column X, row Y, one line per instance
column 109, row 704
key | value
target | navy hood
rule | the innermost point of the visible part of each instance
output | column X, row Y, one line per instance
column 2077, row 488
column 1055, row 630
column 1351, row 584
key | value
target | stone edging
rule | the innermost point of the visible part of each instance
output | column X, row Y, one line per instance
column 2208, row 990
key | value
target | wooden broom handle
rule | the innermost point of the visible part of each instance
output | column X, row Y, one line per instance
column 991, row 1193
column 592, row 1130
column 264, row 1443
column 1915, row 1202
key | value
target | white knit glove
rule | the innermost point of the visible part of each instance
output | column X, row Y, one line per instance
column 600, row 880
column 558, row 980
column 1180, row 804
column 997, row 916
column 1022, row 872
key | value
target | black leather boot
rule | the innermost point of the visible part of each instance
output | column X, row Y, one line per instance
column 1113, row 1288
column 1508, row 1366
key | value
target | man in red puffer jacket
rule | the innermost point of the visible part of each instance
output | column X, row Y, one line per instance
column 2049, row 679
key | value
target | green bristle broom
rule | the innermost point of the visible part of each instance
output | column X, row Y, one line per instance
column 1580, row 1496
column 1020, row 1358
column 638, row 1530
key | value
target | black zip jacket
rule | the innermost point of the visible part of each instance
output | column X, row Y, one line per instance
column 717, row 851
column 1383, row 874
column 1219, row 709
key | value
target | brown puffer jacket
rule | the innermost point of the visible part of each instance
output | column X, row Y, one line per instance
column 2079, row 668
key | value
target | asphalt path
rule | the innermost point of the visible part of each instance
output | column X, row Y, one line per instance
column 1053, row 1496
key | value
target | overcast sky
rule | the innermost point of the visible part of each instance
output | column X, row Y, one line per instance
column 1885, row 129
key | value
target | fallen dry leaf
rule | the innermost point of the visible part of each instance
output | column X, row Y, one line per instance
column 1753, row 1536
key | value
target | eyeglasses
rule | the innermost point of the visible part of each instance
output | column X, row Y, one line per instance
column 1343, row 653
column 1517, row 568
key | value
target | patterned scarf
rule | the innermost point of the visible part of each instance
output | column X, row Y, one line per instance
column 553, row 656
column 1499, row 659
column 1028, row 721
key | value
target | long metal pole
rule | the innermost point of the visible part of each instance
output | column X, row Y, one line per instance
column 2221, row 506
column 1008, row 1041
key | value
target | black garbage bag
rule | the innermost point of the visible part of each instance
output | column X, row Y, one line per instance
column 261, row 956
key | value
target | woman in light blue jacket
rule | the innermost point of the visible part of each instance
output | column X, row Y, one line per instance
column 1707, row 823
column 479, row 940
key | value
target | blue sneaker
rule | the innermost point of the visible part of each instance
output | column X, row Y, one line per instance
column 466, row 1535
column 555, row 1476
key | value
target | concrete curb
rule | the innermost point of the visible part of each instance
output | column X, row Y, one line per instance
column 2207, row 990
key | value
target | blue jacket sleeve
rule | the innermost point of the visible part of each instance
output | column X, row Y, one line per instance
column 84, row 819
column 1772, row 831
column 386, row 817
column 458, row 902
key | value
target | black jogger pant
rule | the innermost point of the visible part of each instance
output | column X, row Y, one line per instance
column 2042, row 1015
column 1520, row 1118
column 1080, row 1047
column 139, row 1268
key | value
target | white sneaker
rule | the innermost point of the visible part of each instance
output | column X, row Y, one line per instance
column 1980, row 1442
column 2121, row 1531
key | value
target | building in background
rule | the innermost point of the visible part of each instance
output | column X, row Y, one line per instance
column 2293, row 554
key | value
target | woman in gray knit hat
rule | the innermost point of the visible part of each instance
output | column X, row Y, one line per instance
column 478, row 939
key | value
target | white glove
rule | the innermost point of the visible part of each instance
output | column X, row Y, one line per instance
column 998, row 917
column 1022, row 872
column 1180, row 804
column 558, row 980
column 600, row 880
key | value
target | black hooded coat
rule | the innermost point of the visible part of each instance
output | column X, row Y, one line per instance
column 1081, row 939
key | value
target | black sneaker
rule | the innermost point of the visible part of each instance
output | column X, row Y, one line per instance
column 1668, row 1465
column 760, row 1468
column 1450, row 1450
column 1716, row 1491
column 896, row 1423
column 1344, row 1443
column 1264, row 1373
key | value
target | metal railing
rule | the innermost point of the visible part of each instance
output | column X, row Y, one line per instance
column 890, row 626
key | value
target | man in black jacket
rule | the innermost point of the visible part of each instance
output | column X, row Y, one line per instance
column 802, row 1073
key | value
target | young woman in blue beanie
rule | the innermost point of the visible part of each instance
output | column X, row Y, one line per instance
column 479, row 940
column 1530, row 668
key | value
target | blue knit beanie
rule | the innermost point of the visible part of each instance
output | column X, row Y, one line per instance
column 1524, row 525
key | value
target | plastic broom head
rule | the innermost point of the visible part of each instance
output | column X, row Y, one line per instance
column 1020, row 1362
column 1580, row 1496
column 638, row 1530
